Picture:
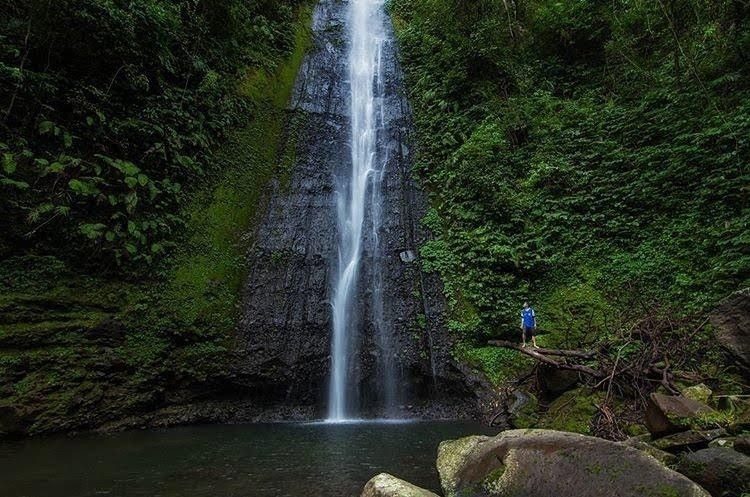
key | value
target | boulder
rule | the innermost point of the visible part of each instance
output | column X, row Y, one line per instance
column 691, row 439
column 663, row 457
column 554, row 381
column 528, row 463
column 385, row 485
column 731, row 322
column 408, row 256
column 523, row 410
column 641, row 437
column 11, row 422
column 668, row 413
column 572, row 411
column 741, row 420
column 742, row 444
column 699, row 393
column 637, row 429
column 737, row 409
column 722, row 442
column 722, row 471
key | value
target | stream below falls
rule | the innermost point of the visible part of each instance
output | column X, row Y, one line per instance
column 255, row 460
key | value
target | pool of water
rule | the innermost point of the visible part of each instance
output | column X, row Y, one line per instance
column 257, row 460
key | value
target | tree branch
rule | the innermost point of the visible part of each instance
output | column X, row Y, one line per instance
column 583, row 354
column 541, row 356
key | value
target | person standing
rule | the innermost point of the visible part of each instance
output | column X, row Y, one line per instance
column 528, row 325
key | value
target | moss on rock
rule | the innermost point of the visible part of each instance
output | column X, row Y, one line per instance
column 572, row 411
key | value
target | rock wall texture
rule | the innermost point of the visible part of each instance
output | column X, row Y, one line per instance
column 284, row 340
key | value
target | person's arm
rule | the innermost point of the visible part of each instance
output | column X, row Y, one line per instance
column 533, row 316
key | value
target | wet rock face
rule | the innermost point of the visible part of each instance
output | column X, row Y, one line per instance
column 283, row 345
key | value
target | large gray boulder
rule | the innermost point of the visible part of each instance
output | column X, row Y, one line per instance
column 385, row 485
column 533, row 463
column 731, row 321
column 722, row 471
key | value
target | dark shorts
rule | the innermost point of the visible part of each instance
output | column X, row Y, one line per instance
column 528, row 332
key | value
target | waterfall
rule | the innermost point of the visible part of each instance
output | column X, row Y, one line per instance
column 359, row 199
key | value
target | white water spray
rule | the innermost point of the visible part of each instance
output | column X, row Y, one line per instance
column 353, row 201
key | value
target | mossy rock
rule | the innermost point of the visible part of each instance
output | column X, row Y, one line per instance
column 721, row 471
column 385, row 485
column 525, row 410
column 452, row 455
column 636, row 429
column 662, row 456
column 545, row 462
column 700, row 393
column 573, row 411
column 669, row 414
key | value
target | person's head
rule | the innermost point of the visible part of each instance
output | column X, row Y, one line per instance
column 525, row 305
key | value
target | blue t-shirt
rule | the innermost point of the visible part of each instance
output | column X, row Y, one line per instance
column 528, row 317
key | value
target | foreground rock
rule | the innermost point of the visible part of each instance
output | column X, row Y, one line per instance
column 688, row 440
column 662, row 456
column 385, row 485
column 723, row 472
column 668, row 413
column 527, row 463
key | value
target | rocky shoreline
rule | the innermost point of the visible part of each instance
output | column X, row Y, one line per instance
column 525, row 463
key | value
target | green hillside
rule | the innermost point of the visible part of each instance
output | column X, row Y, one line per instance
column 589, row 156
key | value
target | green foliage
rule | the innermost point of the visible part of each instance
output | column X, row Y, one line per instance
column 501, row 365
column 171, row 207
column 110, row 109
column 580, row 154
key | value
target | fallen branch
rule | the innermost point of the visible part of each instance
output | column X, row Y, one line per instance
column 541, row 356
column 583, row 354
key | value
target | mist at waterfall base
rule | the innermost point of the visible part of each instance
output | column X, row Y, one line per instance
column 359, row 203
column 260, row 460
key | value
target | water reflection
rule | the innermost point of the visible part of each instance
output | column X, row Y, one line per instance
column 271, row 460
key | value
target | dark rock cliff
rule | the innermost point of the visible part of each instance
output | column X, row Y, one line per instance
column 284, row 341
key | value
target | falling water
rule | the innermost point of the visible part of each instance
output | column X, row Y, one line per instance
column 358, row 197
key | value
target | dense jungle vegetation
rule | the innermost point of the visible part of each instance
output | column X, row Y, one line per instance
column 111, row 111
column 136, row 139
column 590, row 156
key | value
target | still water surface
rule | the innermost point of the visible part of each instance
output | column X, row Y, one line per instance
column 260, row 460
